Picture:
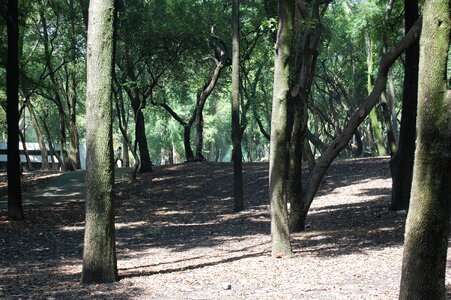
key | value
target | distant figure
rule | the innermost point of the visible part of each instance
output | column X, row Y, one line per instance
column 118, row 156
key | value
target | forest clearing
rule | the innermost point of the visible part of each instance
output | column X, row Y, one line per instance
column 177, row 238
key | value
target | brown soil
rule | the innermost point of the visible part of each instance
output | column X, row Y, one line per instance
column 177, row 238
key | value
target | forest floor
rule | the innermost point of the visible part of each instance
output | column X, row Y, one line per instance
column 177, row 238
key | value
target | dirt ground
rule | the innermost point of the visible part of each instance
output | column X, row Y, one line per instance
column 177, row 238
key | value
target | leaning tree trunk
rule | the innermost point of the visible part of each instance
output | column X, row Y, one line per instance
column 237, row 155
column 280, row 235
column 340, row 142
column 202, row 99
column 15, row 210
column 401, row 165
column 99, row 255
column 427, row 227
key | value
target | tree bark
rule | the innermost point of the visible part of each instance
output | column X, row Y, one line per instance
column 202, row 99
column 427, row 227
column 15, row 210
column 374, row 119
column 300, row 92
column 44, row 154
column 340, row 142
column 401, row 165
column 99, row 255
column 237, row 154
column 280, row 235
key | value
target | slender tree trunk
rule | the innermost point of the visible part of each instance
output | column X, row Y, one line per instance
column 280, row 235
column 44, row 154
column 25, row 151
column 300, row 92
column 57, row 98
column 53, row 152
column 99, row 255
column 15, row 210
column 427, row 227
column 199, row 135
column 374, row 120
column 202, row 99
column 237, row 154
column 341, row 142
column 401, row 165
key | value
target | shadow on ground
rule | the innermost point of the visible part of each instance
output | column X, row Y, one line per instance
column 181, row 208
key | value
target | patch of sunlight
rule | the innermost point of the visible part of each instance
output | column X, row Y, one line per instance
column 71, row 228
column 70, row 269
column 131, row 224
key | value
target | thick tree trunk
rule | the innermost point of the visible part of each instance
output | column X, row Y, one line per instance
column 189, row 155
column 401, row 165
column 427, row 227
column 237, row 155
column 340, row 142
column 15, row 210
column 99, row 255
column 280, row 235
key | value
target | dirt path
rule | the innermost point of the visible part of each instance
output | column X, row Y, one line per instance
column 177, row 239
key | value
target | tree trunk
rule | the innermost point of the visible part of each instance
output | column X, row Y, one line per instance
column 57, row 98
column 140, row 131
column 189, row 155
column 300, row 93
column 99, row 255
column 53, row 152
column 15, row 210
column 374, row 120
column 340, row 142
column 280, row 235
column 25, row 152
column 427, row 227
column 401, row 165
column 202, row 99
column 237, row 155
column 44, row 154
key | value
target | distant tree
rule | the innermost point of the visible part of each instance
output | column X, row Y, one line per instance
column 99, row 256
column 401, row 165
column 280, row 234
column 236, row 129
column 427, row 227
column 15, row 210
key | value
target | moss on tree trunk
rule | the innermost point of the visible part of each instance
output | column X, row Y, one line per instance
column 99, row 256
column 426, row 242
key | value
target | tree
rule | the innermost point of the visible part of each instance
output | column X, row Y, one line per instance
column 15, row 210
column 427, row 227
column 99, row 256
column 236, row 129
column 280, row 235
column 401, row 165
